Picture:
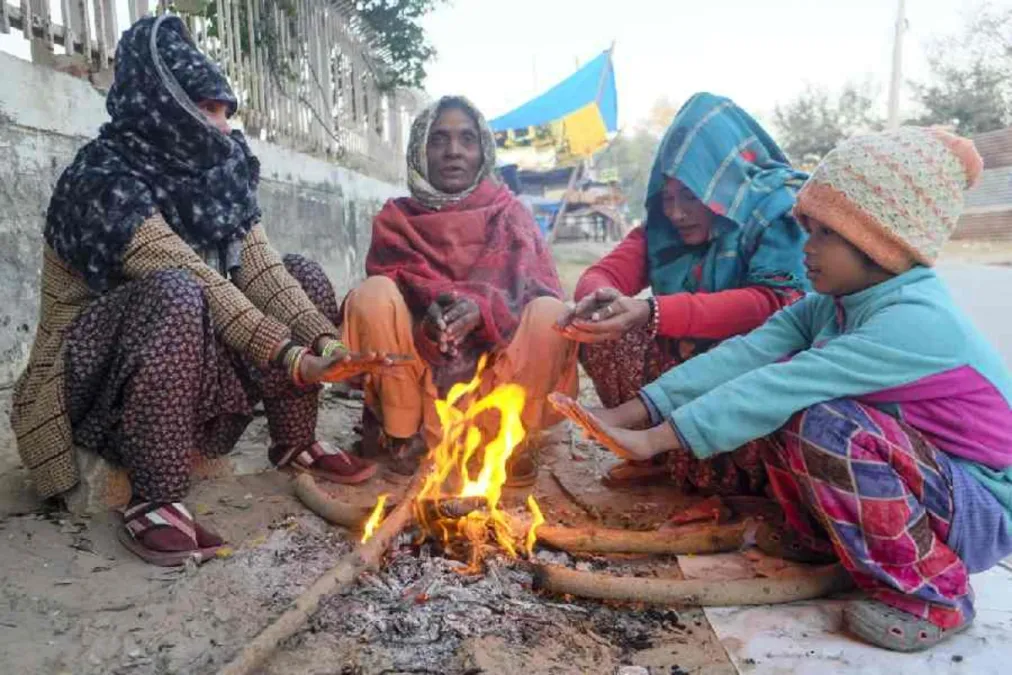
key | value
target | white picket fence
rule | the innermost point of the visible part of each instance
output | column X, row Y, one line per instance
column 308, row 73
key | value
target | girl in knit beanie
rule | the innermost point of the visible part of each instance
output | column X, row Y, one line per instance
column 889, row 412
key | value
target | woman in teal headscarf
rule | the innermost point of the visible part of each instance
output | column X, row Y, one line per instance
column 720, row 251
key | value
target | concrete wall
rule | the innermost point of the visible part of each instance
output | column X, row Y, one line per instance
column 310, row 206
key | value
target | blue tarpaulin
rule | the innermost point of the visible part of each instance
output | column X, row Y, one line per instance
column 586, row 102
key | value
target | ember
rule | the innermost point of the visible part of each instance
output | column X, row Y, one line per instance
column 459, row 500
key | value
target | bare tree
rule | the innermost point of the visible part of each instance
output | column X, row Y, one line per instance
column 813, row 123
column 970, row 87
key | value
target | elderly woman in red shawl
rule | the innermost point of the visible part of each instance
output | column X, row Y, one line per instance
column 456, row 270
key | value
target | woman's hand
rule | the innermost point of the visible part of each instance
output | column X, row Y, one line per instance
column 603, row 316
column 450, row 321
column 462, row 318
column 434, row 322
column 588, row 305
column 343, row 365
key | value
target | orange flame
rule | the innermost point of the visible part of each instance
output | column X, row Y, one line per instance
column 374, row 518
column 537, row 520
column 462, row 440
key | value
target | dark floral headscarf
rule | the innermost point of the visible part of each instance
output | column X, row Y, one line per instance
column 157, row 154
column 418, row 163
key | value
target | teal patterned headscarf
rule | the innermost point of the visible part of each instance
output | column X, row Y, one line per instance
column 733, row 166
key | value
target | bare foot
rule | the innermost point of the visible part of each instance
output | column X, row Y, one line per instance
column 625, row 443
column 605, row 415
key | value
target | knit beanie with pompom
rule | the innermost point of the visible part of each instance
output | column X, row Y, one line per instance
column 895, row 195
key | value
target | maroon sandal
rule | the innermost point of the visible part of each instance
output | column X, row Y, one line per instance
column 322, row 460
column 165, row 534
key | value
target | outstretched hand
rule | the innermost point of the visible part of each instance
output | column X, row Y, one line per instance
column 588, row 306
column 625, row 443
column 344, row 365
column 603, row 316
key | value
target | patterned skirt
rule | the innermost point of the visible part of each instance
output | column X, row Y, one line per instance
column 149, row 385
column 621, row 368
column 908, row 523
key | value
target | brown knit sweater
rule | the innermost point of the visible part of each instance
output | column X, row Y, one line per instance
column 255, row 315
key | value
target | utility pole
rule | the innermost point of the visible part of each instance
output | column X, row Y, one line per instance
column 897, row 75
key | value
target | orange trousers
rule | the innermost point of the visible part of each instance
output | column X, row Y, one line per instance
column 376, row 318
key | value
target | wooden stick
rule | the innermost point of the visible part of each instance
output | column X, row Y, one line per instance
column 341, row 576
column 451, row 508
column 352, row 517
column 557, row 222
column 700, row 592
column 676, row 541
column 327, row 507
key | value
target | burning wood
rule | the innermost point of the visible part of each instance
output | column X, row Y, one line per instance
column 459, row 500
column 449, row 509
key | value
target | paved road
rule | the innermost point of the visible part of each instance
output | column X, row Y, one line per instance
column 985, row 293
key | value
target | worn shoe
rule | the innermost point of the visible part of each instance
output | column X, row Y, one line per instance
column 165, row 534
column 324, row 461
column 883, row 626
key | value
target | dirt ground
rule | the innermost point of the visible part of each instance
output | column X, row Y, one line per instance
column 72, row 600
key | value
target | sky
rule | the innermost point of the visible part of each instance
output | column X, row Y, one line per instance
column 758, row 52
column 501, row 53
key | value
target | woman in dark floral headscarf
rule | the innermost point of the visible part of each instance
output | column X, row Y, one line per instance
column 165, row 312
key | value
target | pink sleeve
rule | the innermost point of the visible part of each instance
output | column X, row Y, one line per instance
column 625, row 268
column 720, row 315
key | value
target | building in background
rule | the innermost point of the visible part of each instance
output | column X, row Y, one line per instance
column 988, row 212
column 595, row 209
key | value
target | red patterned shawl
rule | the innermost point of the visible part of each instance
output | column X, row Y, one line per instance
column 485, row 247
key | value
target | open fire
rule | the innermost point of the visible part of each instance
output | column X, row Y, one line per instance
column 458, row 503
